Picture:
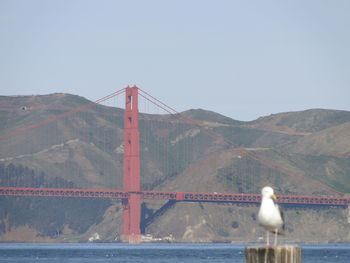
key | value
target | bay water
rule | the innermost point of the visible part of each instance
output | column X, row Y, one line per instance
column 155, row 253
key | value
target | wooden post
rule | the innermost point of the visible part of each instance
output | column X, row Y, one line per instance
column 279, row 254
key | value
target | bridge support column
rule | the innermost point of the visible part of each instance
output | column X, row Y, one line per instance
column 131, row 231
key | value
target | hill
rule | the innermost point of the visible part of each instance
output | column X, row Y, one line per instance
column 307, row 121
column 330, row 141
column 85, row 150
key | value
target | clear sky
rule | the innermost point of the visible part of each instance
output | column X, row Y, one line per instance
column 243, row 59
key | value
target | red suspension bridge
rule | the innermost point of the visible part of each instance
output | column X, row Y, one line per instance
column 131, row 193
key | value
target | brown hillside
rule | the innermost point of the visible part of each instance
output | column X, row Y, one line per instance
column 331, row 141
column 302, row 122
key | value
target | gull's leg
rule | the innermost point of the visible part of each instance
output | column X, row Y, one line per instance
column 276, row 233
column 267, row 238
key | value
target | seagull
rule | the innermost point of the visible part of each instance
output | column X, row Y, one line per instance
column 270, row 216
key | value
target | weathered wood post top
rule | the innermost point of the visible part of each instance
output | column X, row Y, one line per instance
column 271, row 254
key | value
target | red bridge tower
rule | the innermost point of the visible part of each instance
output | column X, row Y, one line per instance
column 131, row 175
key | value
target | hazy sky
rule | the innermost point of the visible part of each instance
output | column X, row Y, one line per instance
column 243, row 59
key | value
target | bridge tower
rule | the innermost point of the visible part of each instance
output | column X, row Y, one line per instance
column 131, row 231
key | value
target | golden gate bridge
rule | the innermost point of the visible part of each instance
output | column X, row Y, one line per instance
column 132, row 194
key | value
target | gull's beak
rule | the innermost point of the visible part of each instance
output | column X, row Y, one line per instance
column 273, row 197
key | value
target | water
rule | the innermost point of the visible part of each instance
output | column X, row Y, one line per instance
column 155, row 253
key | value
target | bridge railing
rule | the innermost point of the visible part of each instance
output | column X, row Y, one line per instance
column 178, row 196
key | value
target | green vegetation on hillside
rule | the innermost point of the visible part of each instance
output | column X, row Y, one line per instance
column 47, row 215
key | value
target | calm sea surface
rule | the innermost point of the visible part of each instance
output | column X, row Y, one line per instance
column 155, row 253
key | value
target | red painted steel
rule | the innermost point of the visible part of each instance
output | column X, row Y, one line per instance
column 176, row 196
column 131, row 231
column 56, row 192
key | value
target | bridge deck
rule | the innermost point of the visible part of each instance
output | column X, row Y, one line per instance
column 178, row 196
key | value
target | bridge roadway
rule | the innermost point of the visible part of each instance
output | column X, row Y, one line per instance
column 242, row 199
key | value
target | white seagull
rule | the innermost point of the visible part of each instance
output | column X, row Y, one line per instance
column 270, row 216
